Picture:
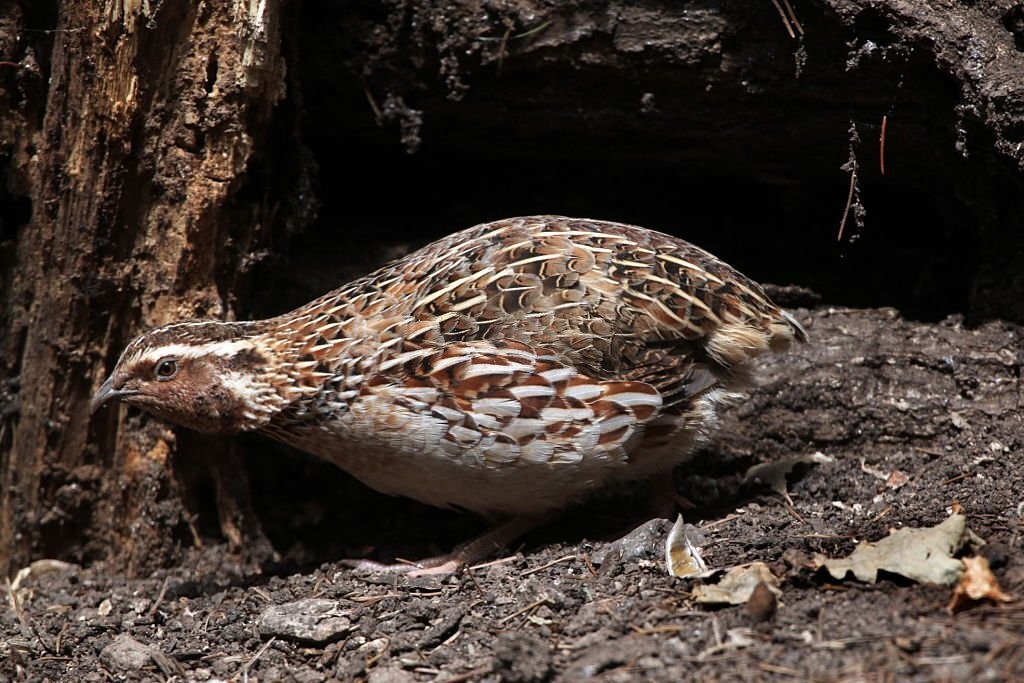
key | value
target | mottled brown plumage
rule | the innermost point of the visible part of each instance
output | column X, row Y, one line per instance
column 507, row 369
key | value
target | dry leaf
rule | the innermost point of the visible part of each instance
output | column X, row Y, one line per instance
column 762, row 603
column 923, row 555
column 738, row 585
column 682, row 556
column 897, row 479
column 977, row 583
column 773, row 474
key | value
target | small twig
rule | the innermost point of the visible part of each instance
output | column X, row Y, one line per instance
column 60, row 638
column 411, row 563
column 159, row 597
column 776, row 669
column 501, row 48
column 664, row 628
column 881, row 514
column 372, row 599
column 785, row 19
column 792, row 17
column 793, row 512
column 719, row 522
column 472, row 577
column 957, row 478
column 492, row 563
column 881, row 145
column 168, row 665
column 245, row 669
column 524, row 34
column 603, row 606
column 849, row 203
column 480, row 671
column 378, row 116
column 531, row 606
column 54, row 30
column 841, row 643
column 552, row 563
column 590, row 565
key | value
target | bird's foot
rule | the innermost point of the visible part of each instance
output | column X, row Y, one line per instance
column 665, row 500
column 465, row 554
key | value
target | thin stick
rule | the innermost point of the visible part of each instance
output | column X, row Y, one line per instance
column 552, row 563
column 794, row 513
column 881, row 145
column 524, row 34
column 502, row 47
column 373, row 103
column 785, row 19
column 849, row 203
column 531, row 606
column 472, row 577
column 159, row 598
column 792, row 17
column 245, row 669
column 957, row 478
column 473, row 673
column 492, row 563
column 728, row 518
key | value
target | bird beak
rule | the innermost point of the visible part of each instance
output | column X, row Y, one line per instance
column 106, row 393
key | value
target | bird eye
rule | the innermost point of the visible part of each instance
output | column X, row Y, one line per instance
column 166, row 368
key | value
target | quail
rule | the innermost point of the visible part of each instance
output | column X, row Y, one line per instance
column 509, row 369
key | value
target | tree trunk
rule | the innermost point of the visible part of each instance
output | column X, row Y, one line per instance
column 153, row 114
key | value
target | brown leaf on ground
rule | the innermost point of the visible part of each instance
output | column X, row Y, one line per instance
column 923, row 555
column 738, row 584
column 977, row 583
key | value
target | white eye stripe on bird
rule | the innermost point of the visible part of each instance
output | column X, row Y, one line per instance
column 191, row 351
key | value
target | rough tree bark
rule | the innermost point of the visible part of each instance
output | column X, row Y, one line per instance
column 153, row 113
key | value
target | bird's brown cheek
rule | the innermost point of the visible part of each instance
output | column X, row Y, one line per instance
column 218, row 411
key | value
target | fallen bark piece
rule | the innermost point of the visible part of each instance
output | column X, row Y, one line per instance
column 977, row 583
column 317, row 621
column 738, row 584
column 922, row 555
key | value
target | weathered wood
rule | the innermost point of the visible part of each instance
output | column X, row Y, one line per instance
column 153, row 113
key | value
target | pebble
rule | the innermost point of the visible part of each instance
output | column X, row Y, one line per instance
column 315, row 620
column 126, row 653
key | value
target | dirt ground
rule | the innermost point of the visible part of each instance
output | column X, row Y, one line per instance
column 939, row 403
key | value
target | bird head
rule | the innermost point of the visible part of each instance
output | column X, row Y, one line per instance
column 210, row 376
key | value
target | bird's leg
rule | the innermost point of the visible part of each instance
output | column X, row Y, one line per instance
column 665, row 500
column 469, row 552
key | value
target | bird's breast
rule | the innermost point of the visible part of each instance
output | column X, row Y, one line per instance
column 423, row 456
